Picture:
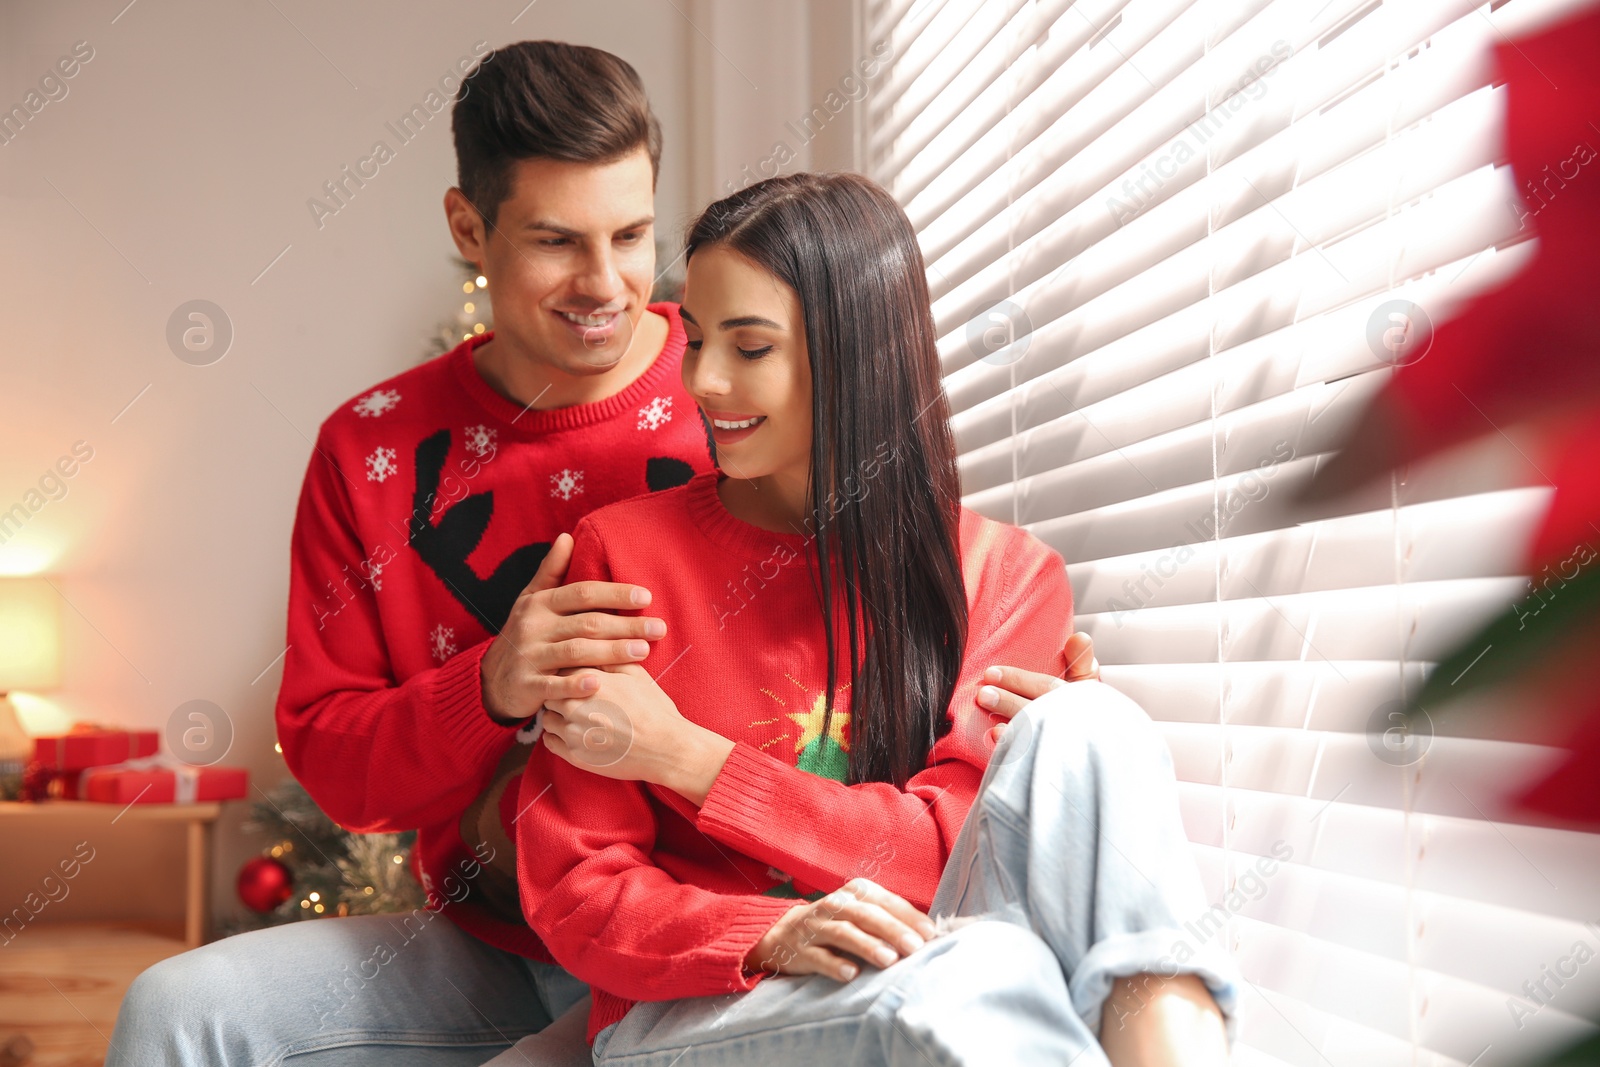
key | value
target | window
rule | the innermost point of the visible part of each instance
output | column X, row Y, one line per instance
column 1167, row 244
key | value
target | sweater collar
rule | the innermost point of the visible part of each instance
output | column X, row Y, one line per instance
column 712, row 517
column 657, row 378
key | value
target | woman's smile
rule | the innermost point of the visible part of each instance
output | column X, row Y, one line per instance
column 727, row 428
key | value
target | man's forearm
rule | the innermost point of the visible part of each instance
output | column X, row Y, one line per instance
column 390, row 758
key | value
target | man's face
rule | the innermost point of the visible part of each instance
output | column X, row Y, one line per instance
column 571, row 258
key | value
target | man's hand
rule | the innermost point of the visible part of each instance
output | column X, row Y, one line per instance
column 1011, row 688
column 630, row 730
column 862, row 920
column 554, row 626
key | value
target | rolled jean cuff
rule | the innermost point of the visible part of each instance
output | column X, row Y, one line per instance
column 1150, row 952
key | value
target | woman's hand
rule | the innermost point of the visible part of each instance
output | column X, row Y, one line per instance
column 861, row 920
column 1011, row 689
column 630, row 730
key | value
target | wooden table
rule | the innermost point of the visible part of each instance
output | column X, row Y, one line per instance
column 61, row 983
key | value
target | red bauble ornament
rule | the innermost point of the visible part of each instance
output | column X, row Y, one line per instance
column 264, row 883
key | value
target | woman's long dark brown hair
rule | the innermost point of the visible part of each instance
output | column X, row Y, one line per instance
column 884, row 492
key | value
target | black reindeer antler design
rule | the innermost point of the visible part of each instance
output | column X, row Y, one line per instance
column 445, row 546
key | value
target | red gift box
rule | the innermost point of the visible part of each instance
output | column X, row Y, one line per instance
column 93, row 747
column 90, row 746
column 149, row 782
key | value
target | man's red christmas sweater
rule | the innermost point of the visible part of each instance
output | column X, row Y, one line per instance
column 428, row 503
column 644, row 896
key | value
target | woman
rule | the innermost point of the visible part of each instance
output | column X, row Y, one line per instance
column 836, row 611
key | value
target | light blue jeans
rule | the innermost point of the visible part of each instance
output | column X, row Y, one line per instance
column 364, row 991
column 1071, row 870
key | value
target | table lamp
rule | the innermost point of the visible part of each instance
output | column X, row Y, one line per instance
column 30, row 659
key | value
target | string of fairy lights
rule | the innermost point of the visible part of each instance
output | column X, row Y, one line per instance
column 470, row 307
column 313, row 901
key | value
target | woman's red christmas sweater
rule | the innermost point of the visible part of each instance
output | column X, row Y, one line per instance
column 645, row 897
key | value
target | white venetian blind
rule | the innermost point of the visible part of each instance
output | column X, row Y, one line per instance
column 1158, row 233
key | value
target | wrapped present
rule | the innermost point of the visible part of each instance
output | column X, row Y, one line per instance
column 159, row 780
column 88, row 745
column 93, row 746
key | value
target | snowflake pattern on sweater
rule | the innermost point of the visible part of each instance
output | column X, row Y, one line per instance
column 567, row 484
column 480, row 440
column 655, row 414
column 381, row 465
column 433, row 488
column 376, row 403
column 442, row 642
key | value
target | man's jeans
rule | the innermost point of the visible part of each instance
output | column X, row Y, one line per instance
column 363, row 991
column 1071, row 870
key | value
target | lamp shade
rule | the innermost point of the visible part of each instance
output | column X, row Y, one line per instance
column 30, row 634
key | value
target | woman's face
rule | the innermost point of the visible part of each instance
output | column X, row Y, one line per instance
column 747, row 365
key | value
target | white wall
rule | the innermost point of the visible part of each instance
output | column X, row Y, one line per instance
column 178, row 166
column 756, row 73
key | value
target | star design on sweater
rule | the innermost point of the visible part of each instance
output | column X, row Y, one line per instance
column 825, row 756
column 818, row 754
column 376, row 403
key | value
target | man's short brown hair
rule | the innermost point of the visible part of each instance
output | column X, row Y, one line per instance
column 549, row 100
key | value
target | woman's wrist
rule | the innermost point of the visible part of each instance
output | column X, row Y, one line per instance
column 704, row 753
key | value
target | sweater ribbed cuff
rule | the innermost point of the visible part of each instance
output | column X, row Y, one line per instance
column 738, row 806
column 714, row 970
column 458, row 705
column 720, row 967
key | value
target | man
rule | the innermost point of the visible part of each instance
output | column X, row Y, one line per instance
column 427, row 621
